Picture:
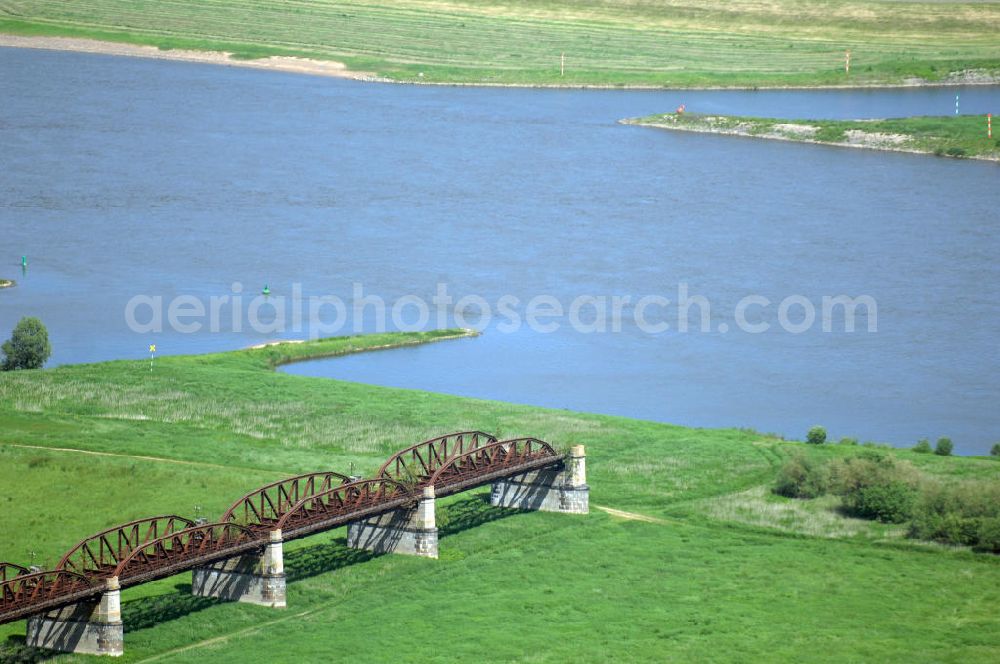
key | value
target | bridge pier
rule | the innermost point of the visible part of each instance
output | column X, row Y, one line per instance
column 252, row 578
column 547, row 490
column 92, row 627
column 410, row 531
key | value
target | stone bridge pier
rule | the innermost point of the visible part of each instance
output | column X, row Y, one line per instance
column 92, row 627
column 254, row 578
column 411, row 531
column 548, row 490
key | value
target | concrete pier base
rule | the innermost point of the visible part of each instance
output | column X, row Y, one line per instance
column 91, row 628
column 563, row 490
column 409, row 531
column 252, row 578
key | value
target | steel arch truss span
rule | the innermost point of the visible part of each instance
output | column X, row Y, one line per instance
column 98, row 555
column 10, row 570
column 160, row 546
column 490, row 462
column 185, row 549
column 348, row 502
column 27, row 594
column 265, row 506
column 417, row 463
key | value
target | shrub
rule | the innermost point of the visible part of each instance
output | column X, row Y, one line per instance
column 988, row 536
column 28, row 346
column 965, row 514
column 816, row 435
column 995, row 450
column 955, row 151
column 923, row 446
column 848, row 441
column 944, row 447
column 889, row 502
column 802, row 477
column 875, row 486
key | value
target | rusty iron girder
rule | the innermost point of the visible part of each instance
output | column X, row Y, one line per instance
column 266, row 505
column 186, row 549
column 490, row 462
column 348, row 502
column 10, row 570
column 28, row 594
column 418, row 462
column 97, row 556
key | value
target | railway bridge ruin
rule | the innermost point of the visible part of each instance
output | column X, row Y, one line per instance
column 76, row 607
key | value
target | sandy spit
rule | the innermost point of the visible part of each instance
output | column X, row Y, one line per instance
column 274, row 63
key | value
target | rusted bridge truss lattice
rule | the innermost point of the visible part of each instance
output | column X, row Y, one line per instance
column 148, row 549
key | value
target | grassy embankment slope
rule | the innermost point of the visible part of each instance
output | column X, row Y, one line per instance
column 720, row 570
column 955, row 136
column 606, row 42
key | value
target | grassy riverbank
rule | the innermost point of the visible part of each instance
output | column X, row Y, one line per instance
column 606, row 42
column 953, row 136
column 701, row 563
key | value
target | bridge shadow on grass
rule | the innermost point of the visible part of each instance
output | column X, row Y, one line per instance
column 471, row 512
column 322, row 558
column 15, row 650
column 146, row 612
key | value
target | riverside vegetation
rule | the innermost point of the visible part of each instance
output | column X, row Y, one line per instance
column 699, row 560
column 606, row 42
column 952, row 136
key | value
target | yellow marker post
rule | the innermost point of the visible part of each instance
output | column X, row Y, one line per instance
column 152, row 349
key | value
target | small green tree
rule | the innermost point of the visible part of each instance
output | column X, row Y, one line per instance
column 923, row 446
column 28, row 346
column 944, row 447
column 995, row 450
column 816, row 435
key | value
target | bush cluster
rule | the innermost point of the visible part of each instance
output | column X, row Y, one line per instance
column 876, row 485
column 923, row 446
column 944, row 447
column 967, row 513
column 802, row 477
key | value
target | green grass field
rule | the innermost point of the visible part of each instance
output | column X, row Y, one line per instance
column 955, row 136
column 606, row 42
column 721, row 570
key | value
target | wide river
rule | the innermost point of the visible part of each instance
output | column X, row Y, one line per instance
column 124, row 177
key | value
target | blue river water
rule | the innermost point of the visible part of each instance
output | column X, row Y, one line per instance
column 125, row 177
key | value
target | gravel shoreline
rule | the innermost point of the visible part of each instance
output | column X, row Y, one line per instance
column 797, row 139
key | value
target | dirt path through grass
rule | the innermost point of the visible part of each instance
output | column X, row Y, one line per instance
column 129, row 456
